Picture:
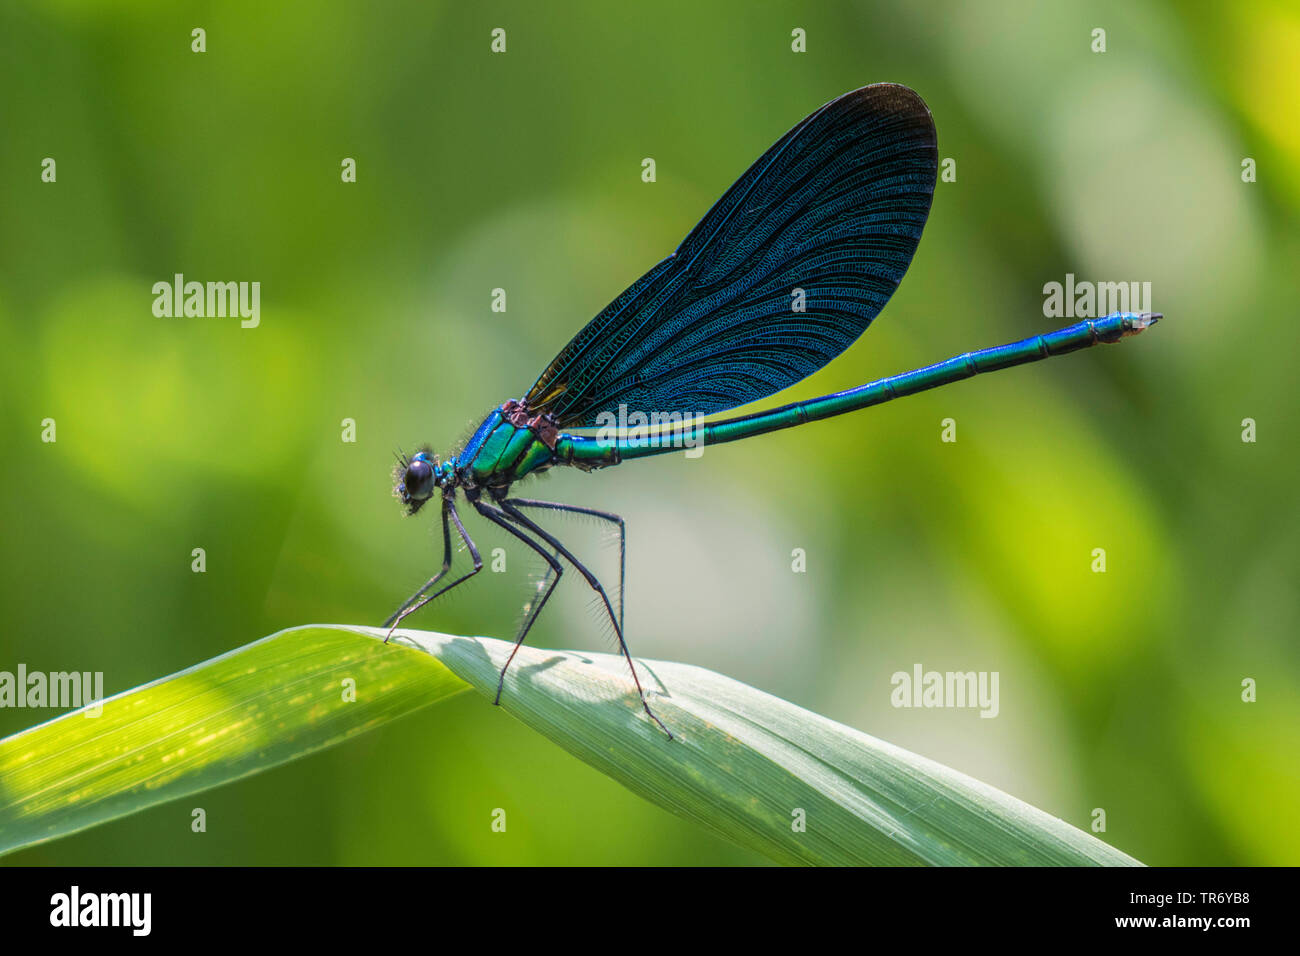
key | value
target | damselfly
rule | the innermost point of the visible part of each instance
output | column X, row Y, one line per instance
column 783, row 274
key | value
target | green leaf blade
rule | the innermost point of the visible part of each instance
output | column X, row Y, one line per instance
column 257, row 707
column 743, row 762
column 748, row 766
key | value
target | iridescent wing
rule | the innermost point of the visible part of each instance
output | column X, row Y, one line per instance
column 827, row 219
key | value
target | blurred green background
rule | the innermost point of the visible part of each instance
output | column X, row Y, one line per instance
column 1119, row 691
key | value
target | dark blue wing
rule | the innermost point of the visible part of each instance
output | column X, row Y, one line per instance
column 835, row 208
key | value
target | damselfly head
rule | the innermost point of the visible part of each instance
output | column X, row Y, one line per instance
column 416, row 479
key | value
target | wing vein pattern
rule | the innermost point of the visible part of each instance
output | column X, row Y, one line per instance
column 835, row 208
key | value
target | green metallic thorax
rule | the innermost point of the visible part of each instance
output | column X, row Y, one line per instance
column 500, row 454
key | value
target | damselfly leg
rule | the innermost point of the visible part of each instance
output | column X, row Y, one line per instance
column 609, row 516
column 446, row 566
column 555, row 572
column 448, row 510
column 520, row 518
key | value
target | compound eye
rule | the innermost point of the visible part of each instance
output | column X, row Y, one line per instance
column 419, row 479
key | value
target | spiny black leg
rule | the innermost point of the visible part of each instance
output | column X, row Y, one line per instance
column 478, row 566
column 536, row 529
column 520, row 518
column 533, row 609
column 604, row 516
column 446, row 566
column 498, row 518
